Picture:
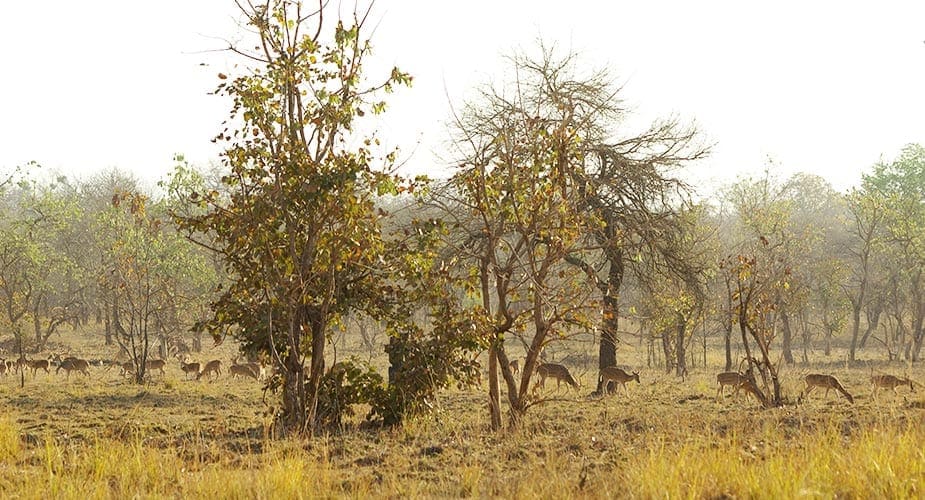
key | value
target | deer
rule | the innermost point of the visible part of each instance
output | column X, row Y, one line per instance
column 734, row 379
column 515, row 367
column 251, row 370
column 127, row 368
column 70, row 364
column 556, row 371
column 155, row 364
column 617, row 376
column 890, row 382
column 37, row 364
column 189, row 368
column 827, row 382
column 213, row 367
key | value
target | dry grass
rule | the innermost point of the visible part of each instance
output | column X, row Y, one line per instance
column 106, row 438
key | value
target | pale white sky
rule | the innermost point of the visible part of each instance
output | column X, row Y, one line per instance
column 822, row 86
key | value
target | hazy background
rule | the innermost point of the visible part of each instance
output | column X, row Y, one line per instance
column 826, row 87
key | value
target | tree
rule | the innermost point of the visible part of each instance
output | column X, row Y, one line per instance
column 40, row 275
column 519, row 217
column 145, row 264
column 900, row 185
column 675, row 297
column 864, row 224
column 298, row 229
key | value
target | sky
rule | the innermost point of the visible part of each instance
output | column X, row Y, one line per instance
column 827, row 87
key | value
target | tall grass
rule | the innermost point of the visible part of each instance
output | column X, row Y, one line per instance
column 637, row 446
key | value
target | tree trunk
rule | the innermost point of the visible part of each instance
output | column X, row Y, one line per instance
column 607, row 353
column 681, row 365
column 873, row 320
column 494, row 391
column 728, row 341
column 917, row 332
column 295, row 407
column 787, row 340
column 855, row 328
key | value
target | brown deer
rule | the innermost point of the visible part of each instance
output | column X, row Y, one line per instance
column 127, row 368
column 213, row 367
column 735, row 379
column 37, row 364
column 70, row 364
column 617, row 376
column 155, row 364
column 827, row 382
column 890, row 382
column 556, row 371
column 189, row 369
column 515, row 367
column 251, row 370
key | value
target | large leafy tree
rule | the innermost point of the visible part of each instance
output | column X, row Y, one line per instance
column 899, row 185
column 298, row 227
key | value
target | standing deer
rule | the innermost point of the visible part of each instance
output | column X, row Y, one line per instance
column 37, row 364
column 213, row 367
column 189, row 369
column 556, row 371
column 155, row 364
column 890, row 382
column 70, row 364
column 827, row 382
column 617, row 376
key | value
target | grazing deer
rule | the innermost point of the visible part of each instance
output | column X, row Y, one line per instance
column 70, row 364
column 617, row 376
column 189, row 369
column 735, row 379
column 251, row 370
column 556, row 371
column 213, row 367
column 827, row 382
column 127, row 368
column 890, row 382
column 155, row 364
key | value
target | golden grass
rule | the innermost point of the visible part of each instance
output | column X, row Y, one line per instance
column 107, row 438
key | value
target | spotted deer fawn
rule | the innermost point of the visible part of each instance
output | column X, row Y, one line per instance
column 617, row 376
column 213, row 367
column 890, row 382
column 556, row 371
column 827, row 382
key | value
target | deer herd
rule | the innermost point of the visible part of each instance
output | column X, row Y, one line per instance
column 191, row 370
column 212, row 370
column 736, row 380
